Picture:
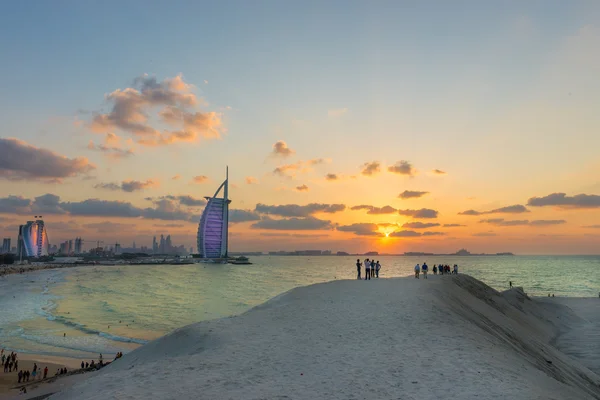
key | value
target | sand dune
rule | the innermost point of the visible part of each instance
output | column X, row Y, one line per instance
column 446, row 337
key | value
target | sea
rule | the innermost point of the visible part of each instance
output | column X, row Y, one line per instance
column 83, row 311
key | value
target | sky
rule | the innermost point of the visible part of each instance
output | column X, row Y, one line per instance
column 350, row 126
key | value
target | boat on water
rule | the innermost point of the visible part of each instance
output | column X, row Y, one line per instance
column 241, row 260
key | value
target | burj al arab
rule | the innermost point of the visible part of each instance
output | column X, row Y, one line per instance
column 213, row 228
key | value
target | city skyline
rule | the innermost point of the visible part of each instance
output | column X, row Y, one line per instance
column 389, row 128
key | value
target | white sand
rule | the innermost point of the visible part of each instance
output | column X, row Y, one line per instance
column 441, row 338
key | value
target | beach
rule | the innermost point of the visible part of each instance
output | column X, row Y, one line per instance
column 444, row 337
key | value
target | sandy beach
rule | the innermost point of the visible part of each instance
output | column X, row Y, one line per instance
column 445, row 337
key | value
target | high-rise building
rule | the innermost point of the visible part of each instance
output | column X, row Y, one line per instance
column 154, row 246
column 5, row 245
column 161, row 247
column 213, row 227
column 33, row 239
column 70, row 251
column 168, row 244
column 78, row 245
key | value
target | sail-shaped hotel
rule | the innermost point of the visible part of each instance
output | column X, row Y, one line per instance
column 213, row 227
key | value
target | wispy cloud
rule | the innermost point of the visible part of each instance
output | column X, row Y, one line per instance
column 302, row 188
column 514, row 209
column 128, row 185
column 200, row 179
column 337, row 112
column 250, row 180
column 438, row 172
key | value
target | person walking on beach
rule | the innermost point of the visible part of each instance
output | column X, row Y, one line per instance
column 434, row 269
column 45, row 372
column 417, row 271
column 367, row 269
column 510, row 284
column 20, row 375
column 82, row 365
column 455, row 272
column 358, row 264
column 377, row 268
column 424, row 268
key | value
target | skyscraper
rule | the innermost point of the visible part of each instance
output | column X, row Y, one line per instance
column 213, row 227
column 154, row 246
column 5, row 245
column 168, row 244
column 161, row 247
column 33, row 239
column 78, row 245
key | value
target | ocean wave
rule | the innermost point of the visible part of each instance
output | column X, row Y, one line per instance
column 90, row 331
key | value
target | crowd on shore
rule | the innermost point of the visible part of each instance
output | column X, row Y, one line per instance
column 10, row 364
column 373, row 267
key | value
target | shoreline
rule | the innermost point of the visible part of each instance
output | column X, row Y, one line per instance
column 12, row 269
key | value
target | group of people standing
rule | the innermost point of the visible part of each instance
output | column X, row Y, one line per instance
column 10, row 363
column 441, row 269
column 372, row 268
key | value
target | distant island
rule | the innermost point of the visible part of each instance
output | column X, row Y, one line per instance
column 461, row 252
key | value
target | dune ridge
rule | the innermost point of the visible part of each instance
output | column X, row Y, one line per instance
column 401, row 338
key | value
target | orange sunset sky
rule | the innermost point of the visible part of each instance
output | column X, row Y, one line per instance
column 345, row 126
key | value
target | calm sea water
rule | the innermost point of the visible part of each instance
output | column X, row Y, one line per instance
column 80, row 312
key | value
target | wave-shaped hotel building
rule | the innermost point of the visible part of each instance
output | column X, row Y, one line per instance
column 33, row 239
column 213, row 228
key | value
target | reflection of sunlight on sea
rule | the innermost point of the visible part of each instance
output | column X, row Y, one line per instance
column 117, row 308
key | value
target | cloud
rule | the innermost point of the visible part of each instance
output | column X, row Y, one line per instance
column 419, row 225
column 375, row 210
column 132, row 106
column 503, row 222
column 45, row 204
column 107, row 227
column 168, row 225
column 22, row 161
column 361, row 229
column 236, row 216
column 307, row 223
column 592, row 226
column 422, row 213
column 299, row 235
column 295, row 210
column 514, row 209
column 405, row 234
column 337, row 112
column 164, row 208
column 200, row 179
column 110, row 151
column 331, row 177
column 561, row 200
column 402, row 168
column 453, row 225
column 370, row 169
column 411, row 194
column 280, row 148
column 101, row 208
column 546, row 222
column 300, row 166
column 132, row 186
column 189, row 201
column 127, row 186
column 484, row 234
column 302, row 188
column 438, row 172
column 176, row 177
column 430, row 233
column 250, row 180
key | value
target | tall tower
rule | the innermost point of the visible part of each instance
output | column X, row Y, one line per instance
column 213, row 230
